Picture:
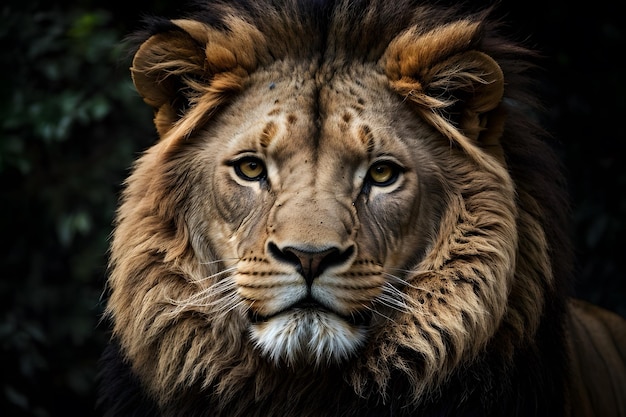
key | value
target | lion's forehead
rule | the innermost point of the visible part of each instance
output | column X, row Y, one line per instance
column 315, row 114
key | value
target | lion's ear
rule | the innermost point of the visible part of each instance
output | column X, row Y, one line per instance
column 188, row 69
column 456, row 87
column 162, row 69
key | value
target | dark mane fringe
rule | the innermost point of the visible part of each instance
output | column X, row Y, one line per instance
column 372, row 23
column 534, row 163
column 538, row 174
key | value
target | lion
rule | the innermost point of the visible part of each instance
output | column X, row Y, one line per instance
column 350, row 211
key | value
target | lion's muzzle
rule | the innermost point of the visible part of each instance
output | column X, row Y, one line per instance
column 311, row 262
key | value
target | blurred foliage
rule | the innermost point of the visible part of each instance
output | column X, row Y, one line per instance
column 71, row 124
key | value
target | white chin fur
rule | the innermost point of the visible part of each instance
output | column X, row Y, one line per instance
column 304, row 336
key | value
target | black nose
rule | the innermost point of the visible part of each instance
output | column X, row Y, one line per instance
column 311, row 263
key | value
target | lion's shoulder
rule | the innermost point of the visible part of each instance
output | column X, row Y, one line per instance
column 597, row 345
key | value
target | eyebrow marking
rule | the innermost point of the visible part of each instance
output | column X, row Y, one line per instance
column 367, row 138
column 269, row 132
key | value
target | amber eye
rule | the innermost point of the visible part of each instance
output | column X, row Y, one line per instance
column 383, row 174
column 250, row 169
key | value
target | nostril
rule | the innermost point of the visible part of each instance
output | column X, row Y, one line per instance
column 335, row 257
column 310, row 263
column 283, row 256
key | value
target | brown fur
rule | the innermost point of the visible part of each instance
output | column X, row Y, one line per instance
column 440, row 293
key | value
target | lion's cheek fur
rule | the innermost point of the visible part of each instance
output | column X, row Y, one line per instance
column 459, row 291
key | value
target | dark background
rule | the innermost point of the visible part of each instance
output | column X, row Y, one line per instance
column 71, row 124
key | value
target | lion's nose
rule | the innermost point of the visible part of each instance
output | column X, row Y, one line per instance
column 310, row 263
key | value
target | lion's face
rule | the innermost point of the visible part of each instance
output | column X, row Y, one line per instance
column 315, row 209
column 321, row 197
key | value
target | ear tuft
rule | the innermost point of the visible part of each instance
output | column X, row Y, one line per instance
column 185, row 73
column 456, row 87
column 163, row 70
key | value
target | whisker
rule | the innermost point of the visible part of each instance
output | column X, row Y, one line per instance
column 218, row 290
column 220, row 296
column 218, row 261
column 380, row 314
column 233, row 304
column 405, row 271
column 221, row 307
column 394, row 299
column 404, row 282
column 217, row 274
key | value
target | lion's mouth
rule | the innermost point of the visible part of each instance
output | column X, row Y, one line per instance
column 310, row 306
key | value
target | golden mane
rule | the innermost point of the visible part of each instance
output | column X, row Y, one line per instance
column 478, row 320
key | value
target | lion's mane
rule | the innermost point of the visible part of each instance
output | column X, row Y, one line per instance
column 485, row 333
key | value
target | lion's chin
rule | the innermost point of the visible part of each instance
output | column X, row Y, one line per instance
column 307, row 337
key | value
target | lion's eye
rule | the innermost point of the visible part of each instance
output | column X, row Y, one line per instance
column 383, row 174
column 250, row 169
